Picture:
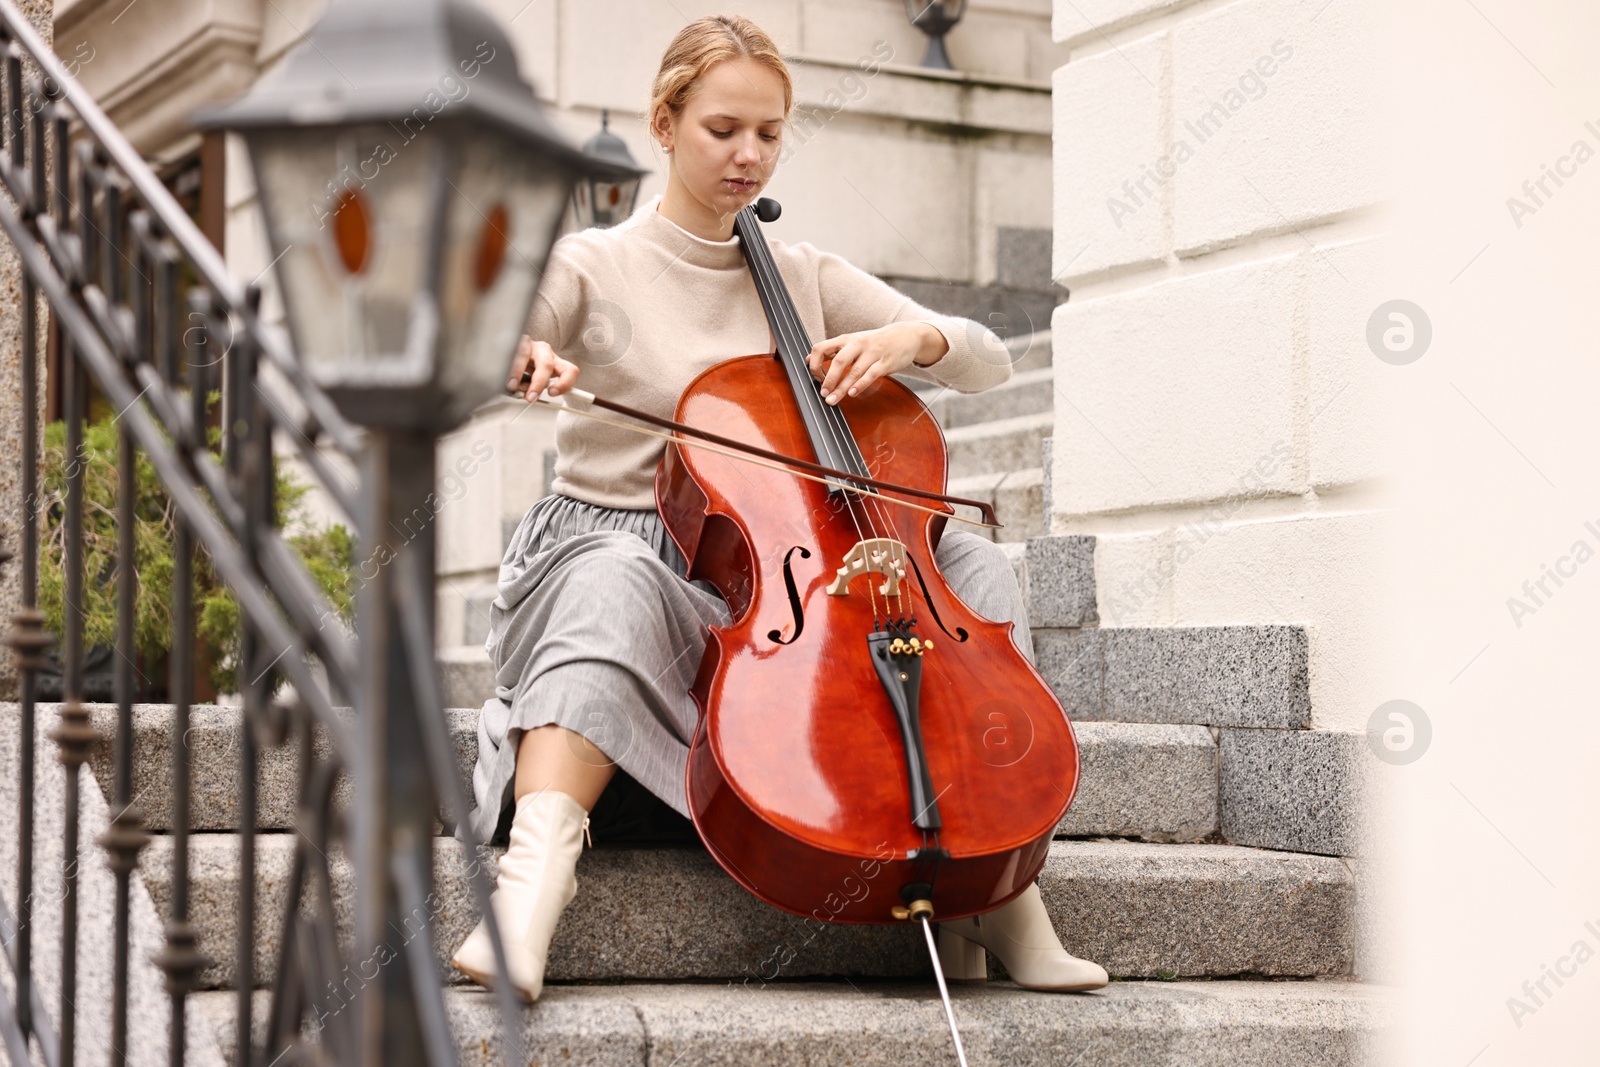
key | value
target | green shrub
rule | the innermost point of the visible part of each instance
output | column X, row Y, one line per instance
column 328, row 552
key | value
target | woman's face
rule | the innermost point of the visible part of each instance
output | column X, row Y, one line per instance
column 725, row 143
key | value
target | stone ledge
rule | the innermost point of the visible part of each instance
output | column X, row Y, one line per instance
column 1139, row 909
column 1127, row 1024
column 976, row 102
column 1061, row 589
column 1154, row 782
column 1151, row 782
column 1242, row 676
column 1300, row 790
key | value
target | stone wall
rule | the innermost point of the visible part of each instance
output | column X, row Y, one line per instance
column 1217, row 402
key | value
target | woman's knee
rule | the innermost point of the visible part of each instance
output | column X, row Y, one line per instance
column 616, row 586
column 611, row 559
column 981, row 573
column 964, row 551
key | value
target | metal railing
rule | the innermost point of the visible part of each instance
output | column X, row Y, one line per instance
column 143, row 305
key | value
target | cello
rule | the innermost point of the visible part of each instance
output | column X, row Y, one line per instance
column 869, row 749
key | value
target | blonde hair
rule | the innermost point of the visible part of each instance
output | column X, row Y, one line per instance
column 703, row 43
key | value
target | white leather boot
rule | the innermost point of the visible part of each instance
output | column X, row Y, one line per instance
column 1020, row 934
column 536, row 884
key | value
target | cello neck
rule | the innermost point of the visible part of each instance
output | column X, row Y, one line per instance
column 830, row 436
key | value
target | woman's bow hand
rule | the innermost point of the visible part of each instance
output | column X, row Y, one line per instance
column 850, row 362
column 535, row 366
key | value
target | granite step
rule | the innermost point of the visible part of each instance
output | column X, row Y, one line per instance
column 1025, row 393
column 466, row 675
column 1141, row 910
column 1016, row 496
column 1246, row 677
column 1156, row 783
column 998, row 445
column 1028, row 352
column 828, row 1024
column 1250, row 677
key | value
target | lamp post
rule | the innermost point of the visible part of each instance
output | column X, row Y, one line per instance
column 602, row 201
column 412, row 187
column 936, row 18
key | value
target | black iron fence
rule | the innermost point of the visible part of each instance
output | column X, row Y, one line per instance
column 144, row 309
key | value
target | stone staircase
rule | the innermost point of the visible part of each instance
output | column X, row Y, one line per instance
column 662, row 956
column 1207, row 860
column 1225, row 953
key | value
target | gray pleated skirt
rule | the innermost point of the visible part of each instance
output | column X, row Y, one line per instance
column 595, row 628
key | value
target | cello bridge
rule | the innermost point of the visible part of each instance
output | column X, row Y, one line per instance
column 877, row 555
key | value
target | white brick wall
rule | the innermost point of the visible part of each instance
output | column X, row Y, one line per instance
column 1108, row 129
column 1348, row 390
column 1275, row 100
column 1175, row 392
column 1218, row 412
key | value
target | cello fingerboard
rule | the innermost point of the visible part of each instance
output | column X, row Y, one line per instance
column 830, row 436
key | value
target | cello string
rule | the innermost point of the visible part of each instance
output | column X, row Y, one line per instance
column 788, row 328
column 831, row 417
column 837, row 426
column 786, row 323
column 757, row 253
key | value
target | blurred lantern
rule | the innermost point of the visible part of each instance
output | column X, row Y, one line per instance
column 602, row 201
column 936, row 18
column 412, row 187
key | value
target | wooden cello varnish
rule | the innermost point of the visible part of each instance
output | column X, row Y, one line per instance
column 841, row 770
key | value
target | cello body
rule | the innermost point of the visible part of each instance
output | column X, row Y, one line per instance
column 798, row 772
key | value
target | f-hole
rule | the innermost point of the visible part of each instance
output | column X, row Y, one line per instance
column 794, row 598
column 960, row 634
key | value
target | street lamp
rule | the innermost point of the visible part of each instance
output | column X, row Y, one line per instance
column 412, row 188
column 599, row 200
column 936, row 18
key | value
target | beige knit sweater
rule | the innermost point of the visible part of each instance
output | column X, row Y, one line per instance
column 645, row 306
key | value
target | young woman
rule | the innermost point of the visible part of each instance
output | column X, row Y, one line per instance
column 596, row 635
